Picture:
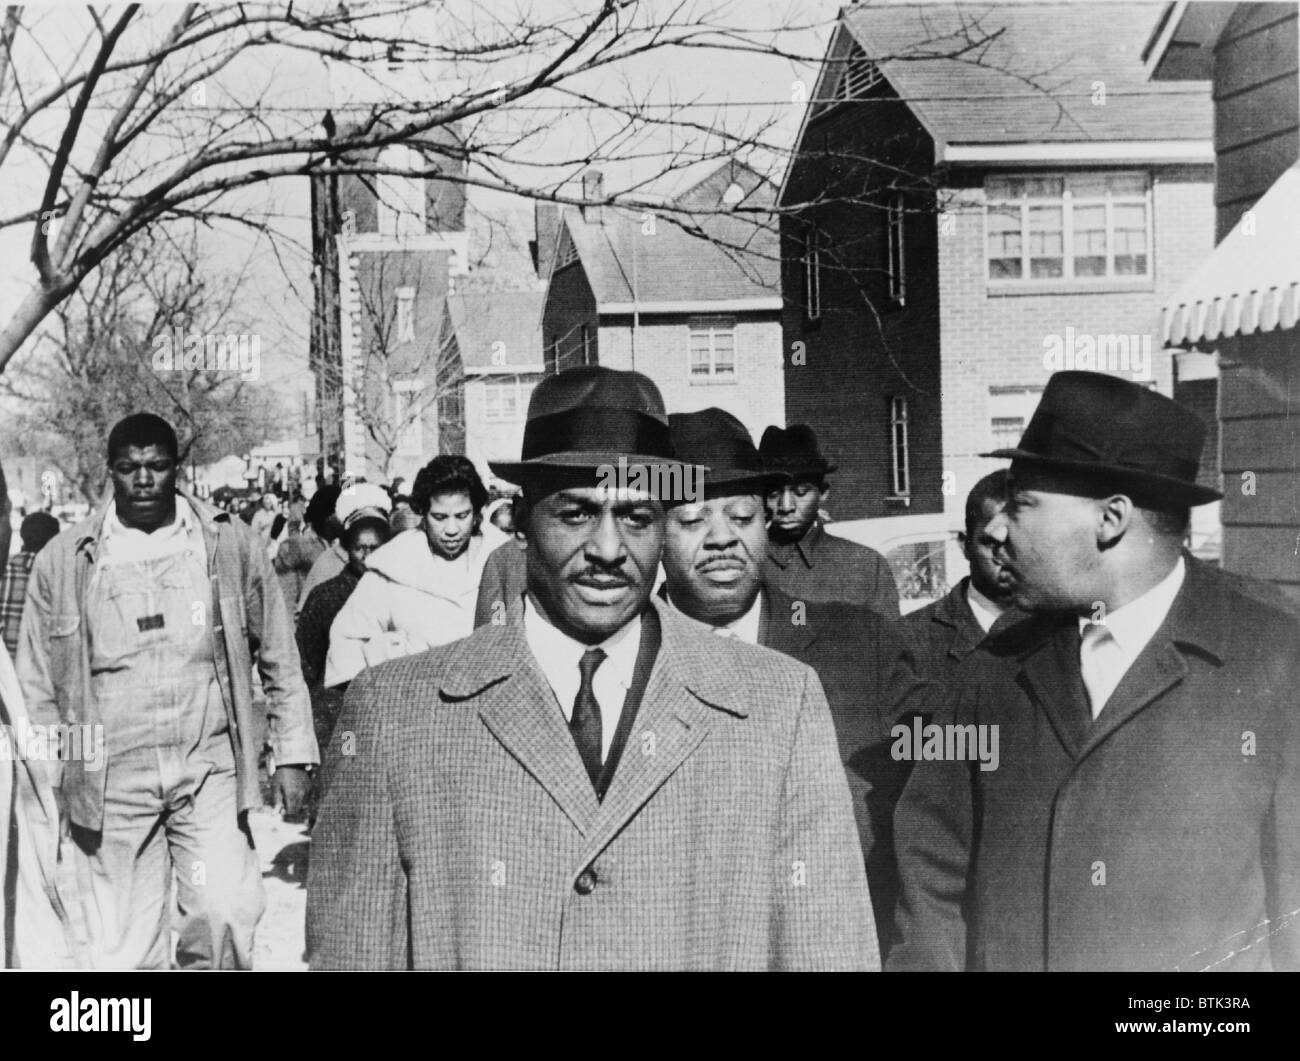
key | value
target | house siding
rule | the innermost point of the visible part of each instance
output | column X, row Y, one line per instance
column 1257, row 118
column 1256, row 106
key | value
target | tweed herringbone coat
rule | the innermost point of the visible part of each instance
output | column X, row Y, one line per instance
column 459, row 829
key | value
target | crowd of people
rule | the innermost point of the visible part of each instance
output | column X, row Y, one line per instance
column 647, row 727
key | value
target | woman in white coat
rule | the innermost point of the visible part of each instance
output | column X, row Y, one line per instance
column 420, row 589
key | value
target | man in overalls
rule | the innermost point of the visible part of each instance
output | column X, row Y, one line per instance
column 147, row 619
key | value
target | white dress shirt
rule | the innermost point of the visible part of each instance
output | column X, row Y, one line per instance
column 558, row 656
column 744, row 628
column 985, row 611
column 1111, row 646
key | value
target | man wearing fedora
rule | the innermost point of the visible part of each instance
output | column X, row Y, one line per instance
column 1144, row 812
column 714, row 549
column 592, row 784
column 804, row 562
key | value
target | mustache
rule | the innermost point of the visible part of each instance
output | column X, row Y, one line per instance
column 723, row 560
column 607, row 574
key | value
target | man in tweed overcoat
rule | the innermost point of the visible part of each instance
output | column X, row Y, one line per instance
column 596, row 783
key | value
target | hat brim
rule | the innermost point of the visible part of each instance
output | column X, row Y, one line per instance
column 803, row 471
column 521, row 471
column 1177, row 491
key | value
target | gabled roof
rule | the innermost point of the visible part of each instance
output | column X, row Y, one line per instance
column 630, row 258
column 481, row 319
column 1027, row 73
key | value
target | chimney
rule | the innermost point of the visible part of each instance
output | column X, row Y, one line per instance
column 593, row 190
column 546, row 223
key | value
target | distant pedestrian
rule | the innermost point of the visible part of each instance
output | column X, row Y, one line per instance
column 421, row 588
column 297, row 560
column 36, row 530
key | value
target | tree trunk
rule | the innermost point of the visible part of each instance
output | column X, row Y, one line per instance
column 36, row 304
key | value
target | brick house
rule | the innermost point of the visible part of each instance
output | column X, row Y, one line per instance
column 386, row 249
column 491, row 358
column 958, row 229
column 1243, row 302
column 701, row 317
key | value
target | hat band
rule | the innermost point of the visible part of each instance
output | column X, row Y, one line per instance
column 596, row 431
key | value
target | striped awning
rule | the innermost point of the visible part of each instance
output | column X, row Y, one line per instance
column 1251, row 282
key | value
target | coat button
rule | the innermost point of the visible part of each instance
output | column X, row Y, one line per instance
column 586, row 883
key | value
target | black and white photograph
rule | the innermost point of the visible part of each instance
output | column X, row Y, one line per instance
column 651, row 486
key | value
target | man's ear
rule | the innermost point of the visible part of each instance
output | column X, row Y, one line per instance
column 1114, row 515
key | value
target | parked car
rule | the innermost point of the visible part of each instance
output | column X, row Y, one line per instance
column 923, row 551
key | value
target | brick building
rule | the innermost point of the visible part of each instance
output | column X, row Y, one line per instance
column 1242, row 304
column 386, row 249
column 960, row 229
column 491, row 358
column 699, row 316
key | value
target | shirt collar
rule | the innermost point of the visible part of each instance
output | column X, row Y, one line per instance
column 742, row 628
column 804, row 548
column 1135, row 623
column 181, row 525
column 558, row 653
column 985, row 611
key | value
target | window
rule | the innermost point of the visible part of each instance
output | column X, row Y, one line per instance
column 401, row 205
column 1076, row 228
column 898, row 442
column 894, row 249
column 713, row 350
column 553, row 355
column 859, row 77
column 586, row 344
column 1009, row 411
column 408, row 418
column 405, row 314
column 812, row 275
column 505, row 401
column 567, row 253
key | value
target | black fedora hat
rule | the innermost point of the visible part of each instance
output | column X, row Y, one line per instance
column 591, row 417
column 1116, row 432
column 717, row 440
column 793, row 452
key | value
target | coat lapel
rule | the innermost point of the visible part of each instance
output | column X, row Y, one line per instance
column 1201, row 620
column 776, row 631
column 495, row 667
column 1050, row 674
column 692, row 680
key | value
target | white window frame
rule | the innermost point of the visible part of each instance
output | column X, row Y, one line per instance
column 409, row 440
column 895, row 260
column 493, row 387
column 405, row 324
column 713, row 327
column 1011, row 403
column 812, row 275
column 1067, row 201
column 900, row 466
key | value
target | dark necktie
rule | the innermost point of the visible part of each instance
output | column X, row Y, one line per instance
column 585, row 721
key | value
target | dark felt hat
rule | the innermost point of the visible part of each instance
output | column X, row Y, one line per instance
column 793, row 452
column 1116, row 432
column 590, row 417
column 716, row 439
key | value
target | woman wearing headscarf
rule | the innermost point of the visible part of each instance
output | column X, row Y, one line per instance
column 420, row 589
